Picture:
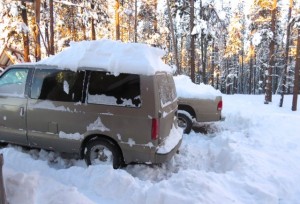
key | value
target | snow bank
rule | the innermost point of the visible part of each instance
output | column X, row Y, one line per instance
column 187, row 89
column 113, row 56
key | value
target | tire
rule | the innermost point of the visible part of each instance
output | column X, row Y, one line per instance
column 103, row 151
column 185, row 122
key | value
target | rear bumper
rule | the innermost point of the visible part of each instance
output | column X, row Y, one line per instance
column 171, row 145
column 161, row 158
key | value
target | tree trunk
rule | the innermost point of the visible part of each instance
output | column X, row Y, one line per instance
column 93, row 31
column 155, row 17
column 135, row 21
column 175, row 51
column 117, row 19
column 36, row 30
column 83, row 27
column 251, row 67
column 268, row 94
column 182, row 54
column 286, row 55
column 242, row 78
column 296, row 79
column 2, row 189
column 51, row 47
column 255, row 73
column 192, row 43
column 25, row 34
column 212, row 74
column 47, row 39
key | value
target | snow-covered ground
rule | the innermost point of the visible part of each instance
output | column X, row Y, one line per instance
column 251, row 157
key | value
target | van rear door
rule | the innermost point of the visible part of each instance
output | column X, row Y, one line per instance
column 168, row 104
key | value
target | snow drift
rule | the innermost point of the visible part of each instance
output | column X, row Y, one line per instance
column 250, row 158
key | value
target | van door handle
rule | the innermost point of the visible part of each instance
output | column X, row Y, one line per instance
column 22, row 111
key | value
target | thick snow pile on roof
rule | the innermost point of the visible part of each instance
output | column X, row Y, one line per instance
column 187, row 89
column 251, row 157
column 114, row 56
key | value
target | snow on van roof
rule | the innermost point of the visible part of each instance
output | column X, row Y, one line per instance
column 185, row 88
column 114, row 56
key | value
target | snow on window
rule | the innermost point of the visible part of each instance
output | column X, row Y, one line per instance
column 171, row 141
column 66, row 87
column 72, row 136
column 109, row 100
column 13, row 94
column 97, row 125
column 102, row 99
column 166, row 89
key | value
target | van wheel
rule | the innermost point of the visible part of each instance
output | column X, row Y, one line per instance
column 185, row 122
column 102, row 151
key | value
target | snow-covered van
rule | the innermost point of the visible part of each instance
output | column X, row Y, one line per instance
column 103, row 115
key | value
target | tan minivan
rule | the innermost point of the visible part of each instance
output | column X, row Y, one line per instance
column 103, row 118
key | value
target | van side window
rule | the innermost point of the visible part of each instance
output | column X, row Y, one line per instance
column 121, row 90
column 57, row 85
column 166, row 89
column 13, row 82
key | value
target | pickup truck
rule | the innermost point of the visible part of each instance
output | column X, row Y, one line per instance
column 197, row 103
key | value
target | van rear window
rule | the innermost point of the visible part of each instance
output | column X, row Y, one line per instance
column 166, row 89
column 107, row 89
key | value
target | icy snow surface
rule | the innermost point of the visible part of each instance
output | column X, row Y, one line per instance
column 72, row 136
column 186, row 89
column 250, row 158
column 113, row 56
column 97, row 125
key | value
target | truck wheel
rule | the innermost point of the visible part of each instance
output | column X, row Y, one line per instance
column 102, row 151
column 185, row 122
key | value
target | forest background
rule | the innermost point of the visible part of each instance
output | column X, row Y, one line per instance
column 239, row 46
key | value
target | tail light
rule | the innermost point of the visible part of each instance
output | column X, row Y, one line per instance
column 155, row 129
column 220, row 105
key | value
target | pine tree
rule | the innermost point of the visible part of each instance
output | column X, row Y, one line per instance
column 286, row 54
column 234, row 48
column 297, row 68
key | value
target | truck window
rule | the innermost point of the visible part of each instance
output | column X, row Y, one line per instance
column 13, row 82
column 121, row 90
column 57, row 85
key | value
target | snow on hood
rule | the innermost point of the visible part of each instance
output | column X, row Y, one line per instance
column 187, row 89
column 113, row 56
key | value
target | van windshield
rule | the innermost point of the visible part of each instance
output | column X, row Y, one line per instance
column 166, row 87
